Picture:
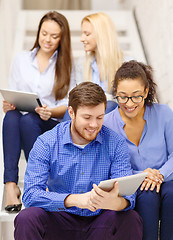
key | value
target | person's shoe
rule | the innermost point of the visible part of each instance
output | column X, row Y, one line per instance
column 13, row 205
column 13, row 208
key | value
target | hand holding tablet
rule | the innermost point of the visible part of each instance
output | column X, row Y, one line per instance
column 23, row 101
column 127, row 185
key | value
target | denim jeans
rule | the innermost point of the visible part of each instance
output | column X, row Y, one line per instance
column 153, row 207
column 20, row 132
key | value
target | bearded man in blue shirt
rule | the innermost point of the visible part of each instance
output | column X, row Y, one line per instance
column 65, row 166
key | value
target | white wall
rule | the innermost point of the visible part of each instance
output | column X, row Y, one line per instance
column 8, row 15
column 100, row 5
column 56, row 4
column 155, row 20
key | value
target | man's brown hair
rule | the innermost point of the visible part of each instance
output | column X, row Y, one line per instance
column 86, row 94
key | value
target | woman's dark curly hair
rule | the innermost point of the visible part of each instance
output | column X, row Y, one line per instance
column 133, row 70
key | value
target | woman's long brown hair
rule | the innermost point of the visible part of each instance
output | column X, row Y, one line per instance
column 63, row 64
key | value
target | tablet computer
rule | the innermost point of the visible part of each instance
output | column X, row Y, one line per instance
column 24, row 101
column 127, row 185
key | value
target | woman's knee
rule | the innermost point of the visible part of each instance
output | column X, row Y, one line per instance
column 148, row 197
column 148, row 207
column 12, row 118
column 29, row 121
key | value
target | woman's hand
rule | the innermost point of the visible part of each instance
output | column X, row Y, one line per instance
column 44, row 112
column 8, row 107
column 153, row 180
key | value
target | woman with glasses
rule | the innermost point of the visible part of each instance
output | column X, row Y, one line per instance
column 148, row 129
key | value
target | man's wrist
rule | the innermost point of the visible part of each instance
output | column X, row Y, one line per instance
column 70, row 200
column 122, row 204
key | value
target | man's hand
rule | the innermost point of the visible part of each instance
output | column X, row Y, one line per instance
column 153, row 180
column 97, row 199
column 79, row 200
column 100, row 199
column 44, row 112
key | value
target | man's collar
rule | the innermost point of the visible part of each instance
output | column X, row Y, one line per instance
column 67, row 135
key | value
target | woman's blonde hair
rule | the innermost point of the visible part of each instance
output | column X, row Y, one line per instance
column 109, row 53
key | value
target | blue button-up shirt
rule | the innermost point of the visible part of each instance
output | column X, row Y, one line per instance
column 55, row 162
column 155, row 149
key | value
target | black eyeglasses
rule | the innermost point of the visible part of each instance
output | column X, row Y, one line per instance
column 134, row 99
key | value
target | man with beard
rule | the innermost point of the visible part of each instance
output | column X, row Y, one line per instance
column 65, row 166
